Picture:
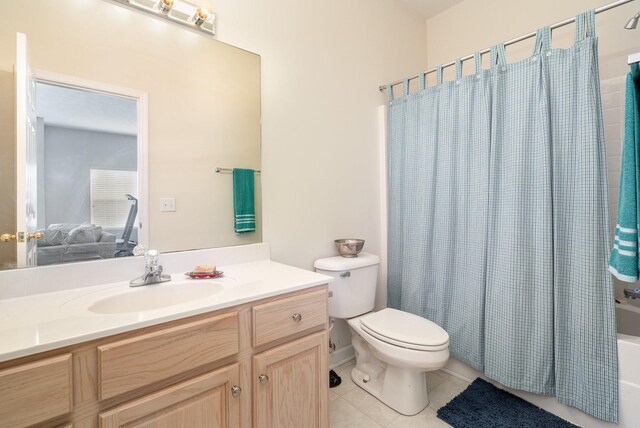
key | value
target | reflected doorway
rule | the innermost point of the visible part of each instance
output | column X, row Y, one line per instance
column 87, row 174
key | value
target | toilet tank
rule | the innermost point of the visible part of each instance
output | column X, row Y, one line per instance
column 353, row 291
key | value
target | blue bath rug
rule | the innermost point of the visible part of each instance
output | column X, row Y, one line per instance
column 484, row 405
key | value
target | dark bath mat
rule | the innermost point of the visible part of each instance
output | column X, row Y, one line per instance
column 484, row 405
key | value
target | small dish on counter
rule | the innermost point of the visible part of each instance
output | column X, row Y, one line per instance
column 204, row 275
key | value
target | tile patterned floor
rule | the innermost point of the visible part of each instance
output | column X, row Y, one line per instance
column 352, row 407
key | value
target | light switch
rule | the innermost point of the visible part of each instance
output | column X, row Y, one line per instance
column 167, row 204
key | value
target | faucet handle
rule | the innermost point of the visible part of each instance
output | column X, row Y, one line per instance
column 140, row 250
column 151, row 257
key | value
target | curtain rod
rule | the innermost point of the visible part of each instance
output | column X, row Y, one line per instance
column 512, row 41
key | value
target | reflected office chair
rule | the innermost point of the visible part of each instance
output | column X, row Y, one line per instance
column 124, row 246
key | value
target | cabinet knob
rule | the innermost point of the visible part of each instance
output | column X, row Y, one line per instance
column 235, row 390
column 263, row 378
column 297, row 317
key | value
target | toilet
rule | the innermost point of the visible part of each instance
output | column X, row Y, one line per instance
column 394, row 349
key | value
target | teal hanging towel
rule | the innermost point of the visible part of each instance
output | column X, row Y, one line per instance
column 244, row 212
column 624, row 262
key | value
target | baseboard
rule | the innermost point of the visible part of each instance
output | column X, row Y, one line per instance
column 461, row 370
column 341, row 356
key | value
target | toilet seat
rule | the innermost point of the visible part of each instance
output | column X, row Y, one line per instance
column 405, row 330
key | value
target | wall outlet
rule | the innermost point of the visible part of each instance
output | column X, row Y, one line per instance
column 167, row 204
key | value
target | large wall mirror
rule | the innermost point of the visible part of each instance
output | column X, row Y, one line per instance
column 125, row 119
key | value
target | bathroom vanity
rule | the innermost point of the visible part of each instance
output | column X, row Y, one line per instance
column 252, row 353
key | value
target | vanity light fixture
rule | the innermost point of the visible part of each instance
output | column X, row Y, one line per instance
column 196, row 17
column 164, row 6
column 201, row 16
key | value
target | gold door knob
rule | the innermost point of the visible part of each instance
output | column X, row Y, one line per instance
column 35, row 235
column 20, row 236
column 6, row 237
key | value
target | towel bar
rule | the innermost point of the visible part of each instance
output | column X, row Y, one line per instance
column 219, row 169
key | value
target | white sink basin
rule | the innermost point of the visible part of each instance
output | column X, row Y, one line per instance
column 151, row 297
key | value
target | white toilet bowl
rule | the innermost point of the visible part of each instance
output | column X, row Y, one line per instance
column 394, row 349
column 394, row 352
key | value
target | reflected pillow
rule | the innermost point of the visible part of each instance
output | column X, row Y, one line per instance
column 55, row 234
column 84, row 234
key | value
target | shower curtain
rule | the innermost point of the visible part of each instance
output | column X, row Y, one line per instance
column 498, row 220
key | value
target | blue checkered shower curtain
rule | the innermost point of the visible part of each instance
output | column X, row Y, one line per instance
column 498, row 220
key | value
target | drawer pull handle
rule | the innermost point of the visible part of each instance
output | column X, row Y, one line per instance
column 236, row 390
column 263, row 378
column 297, row 317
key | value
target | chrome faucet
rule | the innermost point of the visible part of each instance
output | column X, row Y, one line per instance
column 630, row 293
column 152, row 271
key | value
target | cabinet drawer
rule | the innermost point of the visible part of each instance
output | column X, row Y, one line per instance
column 133, row 363
column 284, row 317
column 205, row 401
column 35, row 392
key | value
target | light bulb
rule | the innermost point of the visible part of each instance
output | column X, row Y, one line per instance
column 201, row 16
column 164, row 6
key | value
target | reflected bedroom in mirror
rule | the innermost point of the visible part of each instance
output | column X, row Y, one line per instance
column 121, row 134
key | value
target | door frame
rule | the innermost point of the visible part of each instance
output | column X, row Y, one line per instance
column 143, row 134
column 25, row 113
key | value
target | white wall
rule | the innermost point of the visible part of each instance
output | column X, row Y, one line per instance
column 322, row 63
column 474, row 25
column 69, row 156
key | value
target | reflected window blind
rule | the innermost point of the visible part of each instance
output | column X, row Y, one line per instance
column 109, row 189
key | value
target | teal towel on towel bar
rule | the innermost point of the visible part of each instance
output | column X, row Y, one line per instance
column 624, row 262
column 244, row 213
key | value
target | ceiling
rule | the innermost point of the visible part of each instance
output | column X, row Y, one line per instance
column 84, row 109
column 429, row 8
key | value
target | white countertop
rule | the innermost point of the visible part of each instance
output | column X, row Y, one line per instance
column 45, row 321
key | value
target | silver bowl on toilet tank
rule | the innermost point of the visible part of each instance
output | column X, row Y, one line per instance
column 349, row 247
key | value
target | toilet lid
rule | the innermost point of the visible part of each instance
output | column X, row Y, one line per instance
column 405, row 329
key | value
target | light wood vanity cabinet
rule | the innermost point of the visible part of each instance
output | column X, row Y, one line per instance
column 201, row 371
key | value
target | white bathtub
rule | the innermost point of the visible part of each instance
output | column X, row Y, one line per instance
column 628, row 320
column 628, row 323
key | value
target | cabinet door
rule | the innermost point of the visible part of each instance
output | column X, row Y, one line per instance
column 210, row 400
column 291, row 384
